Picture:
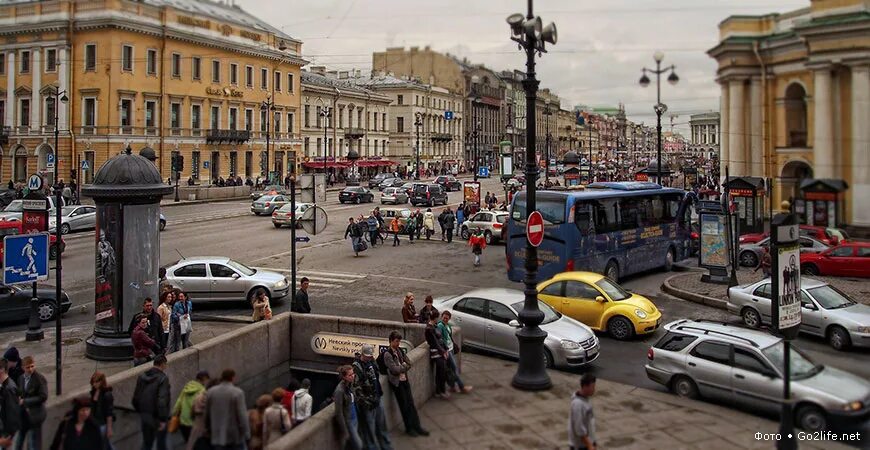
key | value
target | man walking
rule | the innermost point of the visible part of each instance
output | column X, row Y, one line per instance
column 151, row 401
column 449, row 224
column 225, row 414
column 345, row 409
column 300, row 304
column 33, row 391
column 10, row 410
column 398, row 366
column 355, row 232
column 368, row 393
column 581, row 421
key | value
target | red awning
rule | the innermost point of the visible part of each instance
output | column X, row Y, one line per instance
column 329, row 165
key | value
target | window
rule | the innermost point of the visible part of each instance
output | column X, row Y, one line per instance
column 341, row 117
column 276, row 122
column 841, row 251
column 2, row 63
column 151, row 62
column 50, row 111
column 263, row 118
column 249, row 119
column 195, row 117
column 150, row 114
column 552, row 209
column 675, row 342
column 290, row 120
column 863, row 252
column 290, row 87
column 194, row 164
column 90, row 115
column 2, row 111
column 24, row 113
column 374, row 121
column 554, row 289
column 249, row 76
column 175, row 116
column 249, row 164
column 191, row 271
column 234, row 116
column 306, row 146
column 234, row 74
column 234, row 163
column 51, row 60
column 383, row 121
column 215, row 71
column 471, row 306
column 221, row 271
column 576, row 289
column 747, row 360
column 604, row 212
column 126, row 116
column 762, row 291
column 90, row 57
column 176, row 65
column 400, row 124
column 127, row 58
column 215, row 117
column 500, row 313
column 277, row 83
column 196, row 67
column 25, row 62
column 264, row 78
column 712, row 351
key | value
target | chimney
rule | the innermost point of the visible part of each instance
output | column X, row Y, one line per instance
column 343, row 74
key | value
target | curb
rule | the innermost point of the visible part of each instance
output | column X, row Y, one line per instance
column 685, row 268
column 667, row 287
column 199, row 202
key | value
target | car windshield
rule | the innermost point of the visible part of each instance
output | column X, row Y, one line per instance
column 613, row 290
column 830, row 298
column 801, row 366
column 501, row 218
column 15, row 206
column 245, row 270
column 266, row 198
column 550, row 315
column 67, row 210
column 352, row 189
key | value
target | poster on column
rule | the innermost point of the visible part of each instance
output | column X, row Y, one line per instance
column 789, row 278
column 109, row 238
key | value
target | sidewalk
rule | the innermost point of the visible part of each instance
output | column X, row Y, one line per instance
column 497, row 416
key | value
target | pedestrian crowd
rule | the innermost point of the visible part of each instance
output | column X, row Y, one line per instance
column 162, row 330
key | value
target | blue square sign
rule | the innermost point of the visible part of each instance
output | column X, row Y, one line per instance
column 25, row 258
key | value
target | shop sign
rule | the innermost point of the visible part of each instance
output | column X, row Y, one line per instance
column 194, row 22
column 225, row 92
column 348, row 345
column 742, row 192
column 826, row 196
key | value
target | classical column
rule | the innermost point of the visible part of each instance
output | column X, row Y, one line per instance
column 756, row 150
column 63, row 83
column 737, row 132
column 823, row 142
column 860, row 145
column 11, row 107
column 36, row 96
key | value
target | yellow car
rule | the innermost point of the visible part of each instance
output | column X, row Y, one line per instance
column 600, row 303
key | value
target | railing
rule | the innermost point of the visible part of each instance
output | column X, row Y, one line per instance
column 442, row 137
column 230, row 136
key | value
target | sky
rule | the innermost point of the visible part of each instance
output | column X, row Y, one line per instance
column 597, row 60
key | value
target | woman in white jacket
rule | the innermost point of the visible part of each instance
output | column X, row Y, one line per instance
column 302, row 403
column 429, row 223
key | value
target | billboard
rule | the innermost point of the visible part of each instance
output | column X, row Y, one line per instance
column 789, row 276
column 714, row 241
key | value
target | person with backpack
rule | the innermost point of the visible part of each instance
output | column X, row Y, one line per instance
column 449, row 224
column 368, row 393
column 441, row 223
column 397, row 365
column 10, row 408
column 477, row 243
column 151, row 401
column 374, row 228
column 411, row 227
column 355, row 232
column 428, row 308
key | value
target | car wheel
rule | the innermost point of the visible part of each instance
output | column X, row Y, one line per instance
column 383, row 202
column 487, row 236
column 612, row 271
column 811, row 418
column 253, row 292
column 669, row 260
column 548, row 359
column 748, row 258
column 162, row 225
column 751, row 318
column 431, row 203
column 356, row 201
column 277, row 225
column 620, row 328
column 684, row 387
column 809, row 269
column 839, row 338
column 52, row 252
column 341, row 201
column 46, row 310
column 464, row 233
column 65, row 229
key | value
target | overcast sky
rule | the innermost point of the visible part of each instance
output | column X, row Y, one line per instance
column 597, row 61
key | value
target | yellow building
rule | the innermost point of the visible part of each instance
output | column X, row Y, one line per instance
column 796, row 106
column 186, row 77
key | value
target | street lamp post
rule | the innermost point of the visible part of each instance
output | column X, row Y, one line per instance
column 475, row 136
column 324, row 113
column 547, row 113
column 660, row 107
column 589, row 124
column 269, row 107
column 418, row 122
column 59, row 97
column 531, row 374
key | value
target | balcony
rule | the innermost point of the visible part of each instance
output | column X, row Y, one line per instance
column 797, row 138
column 442, row 137
column 4, row 135
column 354, row 133
column 228, row 136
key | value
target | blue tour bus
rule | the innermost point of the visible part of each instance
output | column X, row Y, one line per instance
column 613, row 228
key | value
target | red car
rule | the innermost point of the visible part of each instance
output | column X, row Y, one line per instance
column 15, row 227
column 825, row 235
column 845, row 260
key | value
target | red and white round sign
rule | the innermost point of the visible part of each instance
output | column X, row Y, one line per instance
column 535, row 228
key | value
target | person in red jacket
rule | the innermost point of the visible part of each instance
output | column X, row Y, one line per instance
column 143, row 345
column 477, row 243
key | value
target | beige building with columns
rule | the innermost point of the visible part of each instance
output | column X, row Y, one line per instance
column 795, row 105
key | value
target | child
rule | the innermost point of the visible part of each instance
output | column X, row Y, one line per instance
column 477, row 243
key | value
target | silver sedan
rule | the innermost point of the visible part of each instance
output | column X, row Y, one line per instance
column 489, row 320
column 267, row 204
column 750, row 254
column 825, row 311
column 394, row 195
column 220, row 278
column 74, row 218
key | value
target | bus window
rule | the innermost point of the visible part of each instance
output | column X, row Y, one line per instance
column 583, row 218
column 604, row 212
column 552, row 209
column 628, row 213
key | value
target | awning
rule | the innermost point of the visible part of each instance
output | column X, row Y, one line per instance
column 329, row 165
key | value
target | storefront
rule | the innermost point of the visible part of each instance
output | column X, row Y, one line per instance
column 747, row 194
column 822, row 202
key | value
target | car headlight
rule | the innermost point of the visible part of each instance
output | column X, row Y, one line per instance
column 863, row 329
column 281, row 284
column 569, row 345
column 640, row 313
column 853, row 406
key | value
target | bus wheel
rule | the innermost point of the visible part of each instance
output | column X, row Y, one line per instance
column 669, row 260
column 612, row 271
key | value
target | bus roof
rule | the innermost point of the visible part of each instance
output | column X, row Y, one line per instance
column 612, row 189
column 625, row 185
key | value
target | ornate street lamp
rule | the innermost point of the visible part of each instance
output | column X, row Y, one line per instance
column 59, row 97
column 660, row 108
column 418, row 122
column 531, row 36
column 269, row 107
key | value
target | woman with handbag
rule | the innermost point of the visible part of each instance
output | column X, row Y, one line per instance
column 262, row 309
column 276, row 419
column 181, row 310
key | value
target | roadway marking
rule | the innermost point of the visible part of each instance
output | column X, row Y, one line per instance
column 332, row 279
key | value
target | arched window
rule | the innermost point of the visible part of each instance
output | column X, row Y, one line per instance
column 796, row 115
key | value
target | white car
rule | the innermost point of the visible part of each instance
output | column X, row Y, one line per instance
column 15, row 209
column 221, row 278
column 74, row 218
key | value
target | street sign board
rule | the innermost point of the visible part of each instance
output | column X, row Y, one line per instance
column 34, row 183
column 535, row 228
column 483, row 172
column 86, row 165
column 205, row 164
column 25, row 258
column 34, row 204
column 49, row 161
column 314, row 220
column 448, row 115
column 302, row 238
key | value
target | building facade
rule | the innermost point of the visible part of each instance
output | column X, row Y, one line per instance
column 183, row 77
column 704, row 142
column 795, row 96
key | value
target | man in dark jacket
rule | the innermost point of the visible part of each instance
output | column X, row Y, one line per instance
column 155, row 324
column 367, row 392
column 345, row 409
column 13, row 360
column 441, row 223
column 151, row 401
column 10, row 411
column 398, row 366
column 33, row 391
column 300, row 304
column 449, row 223
column 355, row 232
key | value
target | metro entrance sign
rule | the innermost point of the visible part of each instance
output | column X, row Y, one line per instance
column 535, row 229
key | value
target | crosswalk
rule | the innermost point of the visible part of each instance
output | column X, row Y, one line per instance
column 321, row 280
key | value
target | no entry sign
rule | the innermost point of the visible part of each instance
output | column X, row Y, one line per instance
column 535, row 228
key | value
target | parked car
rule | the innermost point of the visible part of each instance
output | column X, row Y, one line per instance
column 273, row 189
column 221, row 278
column 491, row 222
column 356, row 194
column 162, row 222
column 408, row 188
column 376, row 180
column 429, row 194
column 750, row 254
column 391, row 182
column 267, row 204
column 825, row 235
column 489, row 321
column 394, row 195
column 285, row 215
column 825, row 311
column 737, row 365
column 601, row 304
column 449, row 182
column 845, row 260
column 74, row 218
column 8, row 227
column 15, row 303
column 14, row 210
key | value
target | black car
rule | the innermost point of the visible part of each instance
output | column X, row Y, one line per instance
column 391, row 182
column 15, row 303
column 376, row 180
column 429, row 194
column 356, row 194
column 449, row 182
